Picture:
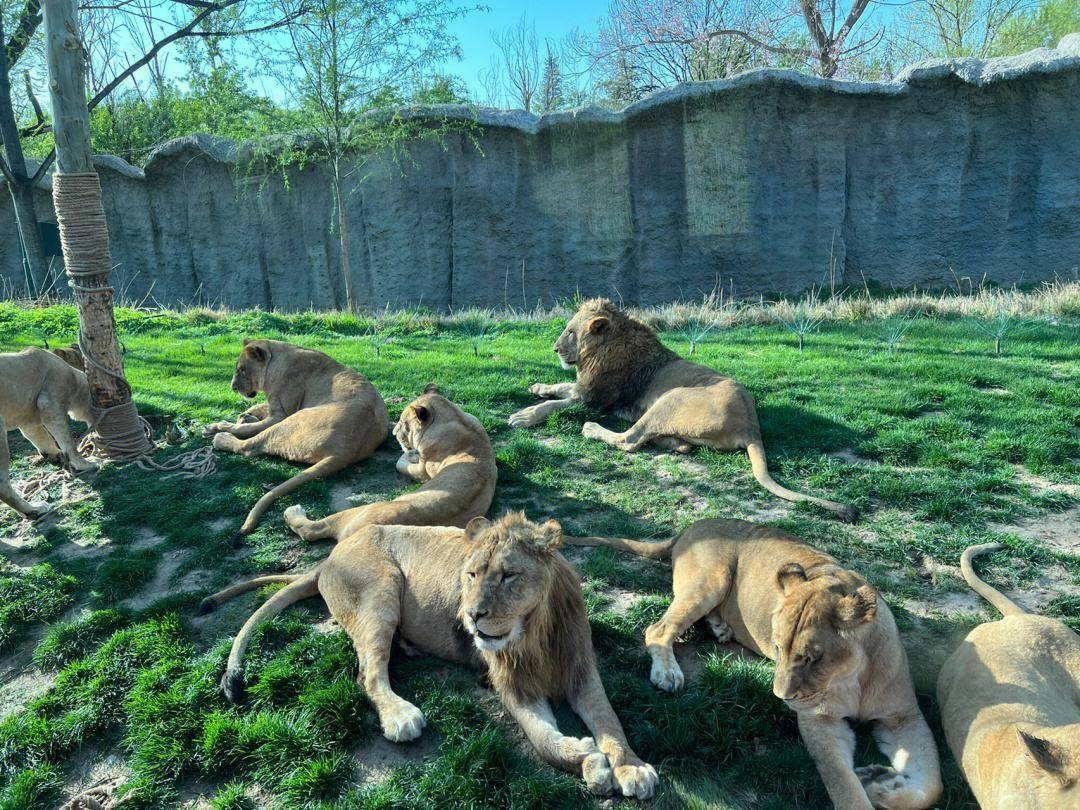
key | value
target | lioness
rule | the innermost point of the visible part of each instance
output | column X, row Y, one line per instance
column 317, row 412
column 837, row 651
column 502, row 586
column 623, row 368
column 40, row 390
column 442, row 446
column 1010, row 705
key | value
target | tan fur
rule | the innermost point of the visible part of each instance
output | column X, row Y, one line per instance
column 1010, row 706
column 495, row 594
column 837, row 650
column 444, row 447
column 317, row 412
column 623, row 368
column 39, row 392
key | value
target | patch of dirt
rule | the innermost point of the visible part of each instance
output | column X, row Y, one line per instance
column 1061, row 530
column 90, row 767
column 953, row 603
column 1040, row 484
column 218, row 525
column 848, row 455
column 341, row 498
column 778, row 510
column 620, row 601
column 20, row 690
column 159, row 587
column 378, row 758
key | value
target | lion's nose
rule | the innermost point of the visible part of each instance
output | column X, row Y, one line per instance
column 477, row 615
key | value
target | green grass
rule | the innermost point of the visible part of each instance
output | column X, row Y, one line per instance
column 945, row 432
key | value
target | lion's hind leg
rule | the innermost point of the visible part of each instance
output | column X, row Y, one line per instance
column 7, row 492
column 364, row 597
column 913, row 780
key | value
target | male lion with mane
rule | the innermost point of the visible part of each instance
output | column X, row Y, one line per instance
column 444, row 447
column 317, row 412
column 837, row 650
column 623, row 368
column 498, row 595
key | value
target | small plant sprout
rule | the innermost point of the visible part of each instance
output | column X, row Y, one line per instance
column 697, row 330
column 1000, row 324
column 478, row 330
column 896, row 329
column 803, row 319
column 378, row 334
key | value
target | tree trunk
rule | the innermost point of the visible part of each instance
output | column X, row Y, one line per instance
column 343, row 239
column 22, row 193
column 83, row 233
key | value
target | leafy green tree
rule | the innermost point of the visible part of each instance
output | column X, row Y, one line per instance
column 1039, row 27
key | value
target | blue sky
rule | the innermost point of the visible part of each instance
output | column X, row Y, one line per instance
column 554, row 19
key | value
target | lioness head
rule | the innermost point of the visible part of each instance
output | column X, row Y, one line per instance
column 505, row 577
column 250, row 376
column 817, row 632
column 590, row 327
column 72, row 355
column 418, row 416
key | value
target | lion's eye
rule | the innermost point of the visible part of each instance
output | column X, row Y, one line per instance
column 470, row 574
column 508, row 575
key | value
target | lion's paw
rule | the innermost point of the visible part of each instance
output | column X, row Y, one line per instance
column 721, row 629
column 226, row 442
column 402, row 723
column 637, row 781
column 539, row 389
column 885, row 786
column 597, row 773
column 295, row 514
column 215, row 428
column 591, row 430
column 526, row 417
column 666, row 674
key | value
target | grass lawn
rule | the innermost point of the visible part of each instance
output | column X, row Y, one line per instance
column 105, row 670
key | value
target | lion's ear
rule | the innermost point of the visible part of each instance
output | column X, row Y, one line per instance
column 432, row 388
column 476, row 527
column 550, row 536
column 789, row 576
column 256, row 352
column 1043, row 753
column 858, row 607
column 423, row 415
column 598, row 325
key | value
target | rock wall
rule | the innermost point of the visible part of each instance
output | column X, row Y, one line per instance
column 769, row 181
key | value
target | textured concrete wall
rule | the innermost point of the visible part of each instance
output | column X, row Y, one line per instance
column 762, row 180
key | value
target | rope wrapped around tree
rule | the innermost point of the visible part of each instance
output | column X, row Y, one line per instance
column 119, row 433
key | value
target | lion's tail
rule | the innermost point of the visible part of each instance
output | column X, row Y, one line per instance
column 301, row 587
column 756, row 451
column 1005, row 606
column 320, row 469
column 642, row 548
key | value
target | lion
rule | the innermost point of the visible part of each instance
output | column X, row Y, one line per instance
column 442, row 446
column 837, row 650
column 496, row 595
column 1010, row 705
column 317, row 412
column 623, row 368
column 40, row 391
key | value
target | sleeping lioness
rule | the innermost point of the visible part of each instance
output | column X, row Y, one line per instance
column 837, row 651
column 39, row 391
column 1010, row 705
column 444, row 447
column 317, row 412
column 623, row 368
column 498, row 595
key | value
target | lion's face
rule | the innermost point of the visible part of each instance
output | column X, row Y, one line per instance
column 504, row 577
column 816, row 633
column 417, row 417
column 589, row 328
column 250, row 375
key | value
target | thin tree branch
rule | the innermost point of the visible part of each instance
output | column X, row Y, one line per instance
column 29, row 20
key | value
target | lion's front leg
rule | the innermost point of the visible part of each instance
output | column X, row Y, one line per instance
column 633, row 777
column 572, row 754
column 831, row 744
column 535, row 414
column 242, row 430
column 557, row 391
column 913, row 780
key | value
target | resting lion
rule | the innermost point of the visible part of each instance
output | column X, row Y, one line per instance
column 498, row 595
column 317, row 412
column 1010, row 705
column 39, row 392
column 623, row 368
column 837, row 651
column 442, row 446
